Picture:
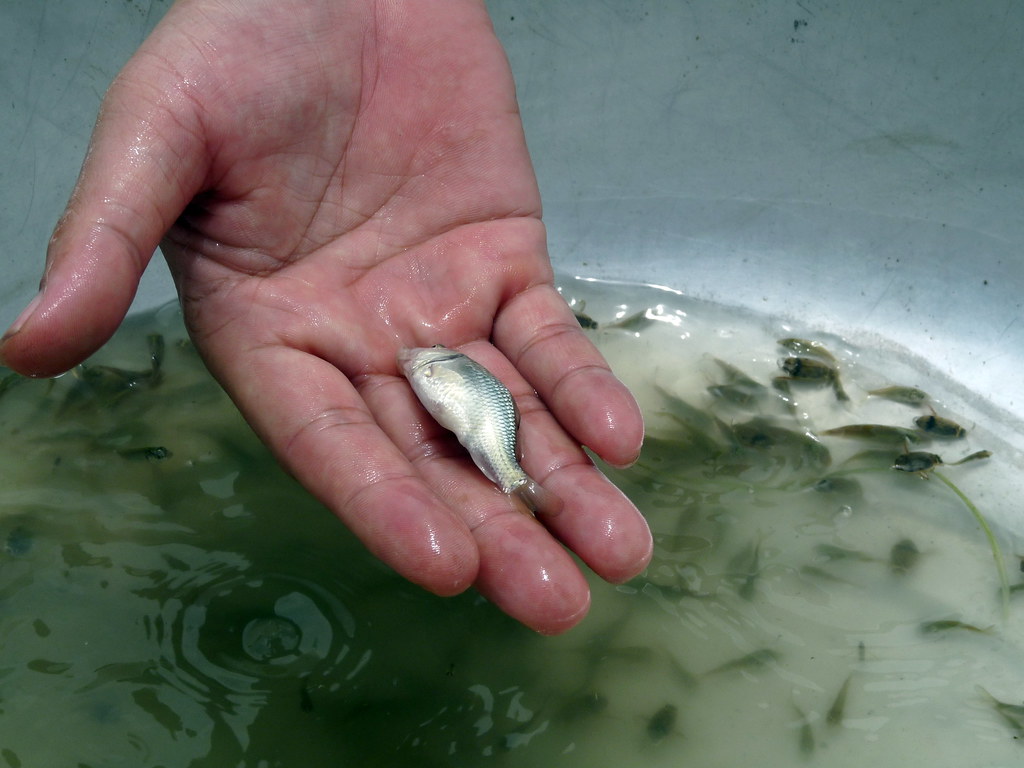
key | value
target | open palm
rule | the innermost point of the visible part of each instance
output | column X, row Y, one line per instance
column 332, row 181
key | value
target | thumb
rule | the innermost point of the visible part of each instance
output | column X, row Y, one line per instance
column 141, row 170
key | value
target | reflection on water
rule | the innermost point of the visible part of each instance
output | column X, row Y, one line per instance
column 169, row 597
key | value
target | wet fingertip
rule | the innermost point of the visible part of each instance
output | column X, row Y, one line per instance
column 447, row 579
column 627, row 556
column 549, row 598
column 616, row 430
column 420, row 539
column 23, row 317
column 627, row 462
column 630, row 572
column 449, row 587
column 565, row 623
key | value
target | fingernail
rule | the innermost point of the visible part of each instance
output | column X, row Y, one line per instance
column 26, row 313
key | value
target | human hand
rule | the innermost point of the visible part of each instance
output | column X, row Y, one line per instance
column 333, row 181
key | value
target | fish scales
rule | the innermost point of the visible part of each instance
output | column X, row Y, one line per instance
column 461, row 395
column 467, row 399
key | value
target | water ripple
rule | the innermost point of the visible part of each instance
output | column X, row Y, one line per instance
column 224, row 630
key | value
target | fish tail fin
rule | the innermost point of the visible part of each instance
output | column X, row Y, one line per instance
column 538, row 499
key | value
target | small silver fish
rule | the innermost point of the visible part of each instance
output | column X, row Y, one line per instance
column 467, row 399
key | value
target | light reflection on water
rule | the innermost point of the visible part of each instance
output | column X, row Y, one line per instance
column 192, row 606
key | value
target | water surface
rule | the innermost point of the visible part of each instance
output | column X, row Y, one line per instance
column 169, row 597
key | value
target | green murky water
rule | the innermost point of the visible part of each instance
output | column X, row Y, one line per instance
column 168, row 597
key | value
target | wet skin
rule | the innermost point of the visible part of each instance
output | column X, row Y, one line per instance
column 331, row 181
